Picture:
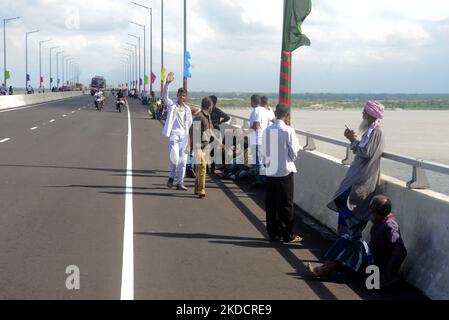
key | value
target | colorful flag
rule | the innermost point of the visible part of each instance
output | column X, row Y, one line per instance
column 153, row 78
column 28, row 77
column 187, row 65
column 140, row 81
column 7, row 75
column 295, row 12
column 163, row 74
column 146, row 80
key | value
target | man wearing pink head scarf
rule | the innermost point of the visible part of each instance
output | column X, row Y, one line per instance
column 362, row 181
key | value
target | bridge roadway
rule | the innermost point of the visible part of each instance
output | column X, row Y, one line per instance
column 62, row 202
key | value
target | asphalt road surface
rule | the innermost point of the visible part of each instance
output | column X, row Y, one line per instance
column 74, row 192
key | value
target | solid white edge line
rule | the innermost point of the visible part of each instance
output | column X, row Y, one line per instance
column 35, row 105
column 4, row 140
column 127, row 290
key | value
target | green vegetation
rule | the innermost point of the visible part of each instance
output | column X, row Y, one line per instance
column 332, row 101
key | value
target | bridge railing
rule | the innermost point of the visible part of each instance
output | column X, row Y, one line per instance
column 419, row 177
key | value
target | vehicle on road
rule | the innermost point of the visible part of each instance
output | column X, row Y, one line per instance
column 99, row 100
column 121, row 104
column 97, row 83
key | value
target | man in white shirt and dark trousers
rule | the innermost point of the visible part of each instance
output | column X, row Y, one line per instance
column 177, row 127
column 281, row 149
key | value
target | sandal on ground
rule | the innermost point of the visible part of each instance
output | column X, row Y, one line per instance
column 296, row 239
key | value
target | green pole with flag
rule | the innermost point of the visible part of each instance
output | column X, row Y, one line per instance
column 7, row 75
column 295, row 12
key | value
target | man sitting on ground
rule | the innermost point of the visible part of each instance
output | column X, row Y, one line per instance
column 385, row 250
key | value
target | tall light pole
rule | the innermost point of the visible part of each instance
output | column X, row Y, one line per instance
column 129, row 59
column 67, row 70
column 4, row 46
column 162, row 45
column 40, row 62
column 70, row 64
column 62, row 66
column 57, row 68
column 26, row 57
column 144, row 51
column 185, row 45
column 151, row 41
column 140, row 69
column 135, row 57
column 125, row 62
column 51, row 78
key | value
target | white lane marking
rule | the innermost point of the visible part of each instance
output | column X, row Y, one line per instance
column 127, row 292
column 4, row 140
column 35, row 105
column 52, row 120
column 64, row 116
column 73, row 112
column 33, row 128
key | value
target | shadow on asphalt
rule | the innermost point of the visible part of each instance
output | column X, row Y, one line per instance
column 317, row 239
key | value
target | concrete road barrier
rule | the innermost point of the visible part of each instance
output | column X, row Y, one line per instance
column 15, row 101
column 422, row 214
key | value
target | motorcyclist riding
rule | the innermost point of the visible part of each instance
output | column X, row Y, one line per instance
column 99, row 99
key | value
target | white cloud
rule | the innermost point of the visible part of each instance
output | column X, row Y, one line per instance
column 237, row 42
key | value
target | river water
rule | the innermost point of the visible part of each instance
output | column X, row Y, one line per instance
column 418, row 134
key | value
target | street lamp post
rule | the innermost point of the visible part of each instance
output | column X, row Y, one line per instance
column 140, row 69
column 57, row 67
column 62, row 66
column 51, row 79
column 40, row 62
column 67, row 70
column 151, row 41
column 131, row 66
column 162, row 45
column 185, row 45
column 4, row 46
column 135, row 58
column 129, row 59
column 26, row 57
column 144, row 50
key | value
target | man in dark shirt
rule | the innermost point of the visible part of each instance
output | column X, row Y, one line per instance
column 218, row 117
column 203, row 123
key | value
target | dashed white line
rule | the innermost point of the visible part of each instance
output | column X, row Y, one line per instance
column 64, row 116
column 4, row 140
column 52, row 120
column 127, row 290
column 33, row 128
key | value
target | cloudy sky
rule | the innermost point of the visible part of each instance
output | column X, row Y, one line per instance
column 358, row 46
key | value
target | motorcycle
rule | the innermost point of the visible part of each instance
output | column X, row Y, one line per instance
column 120, row 104
column 99, row 103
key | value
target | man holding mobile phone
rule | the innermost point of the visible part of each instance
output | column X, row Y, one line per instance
column 362, row 181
